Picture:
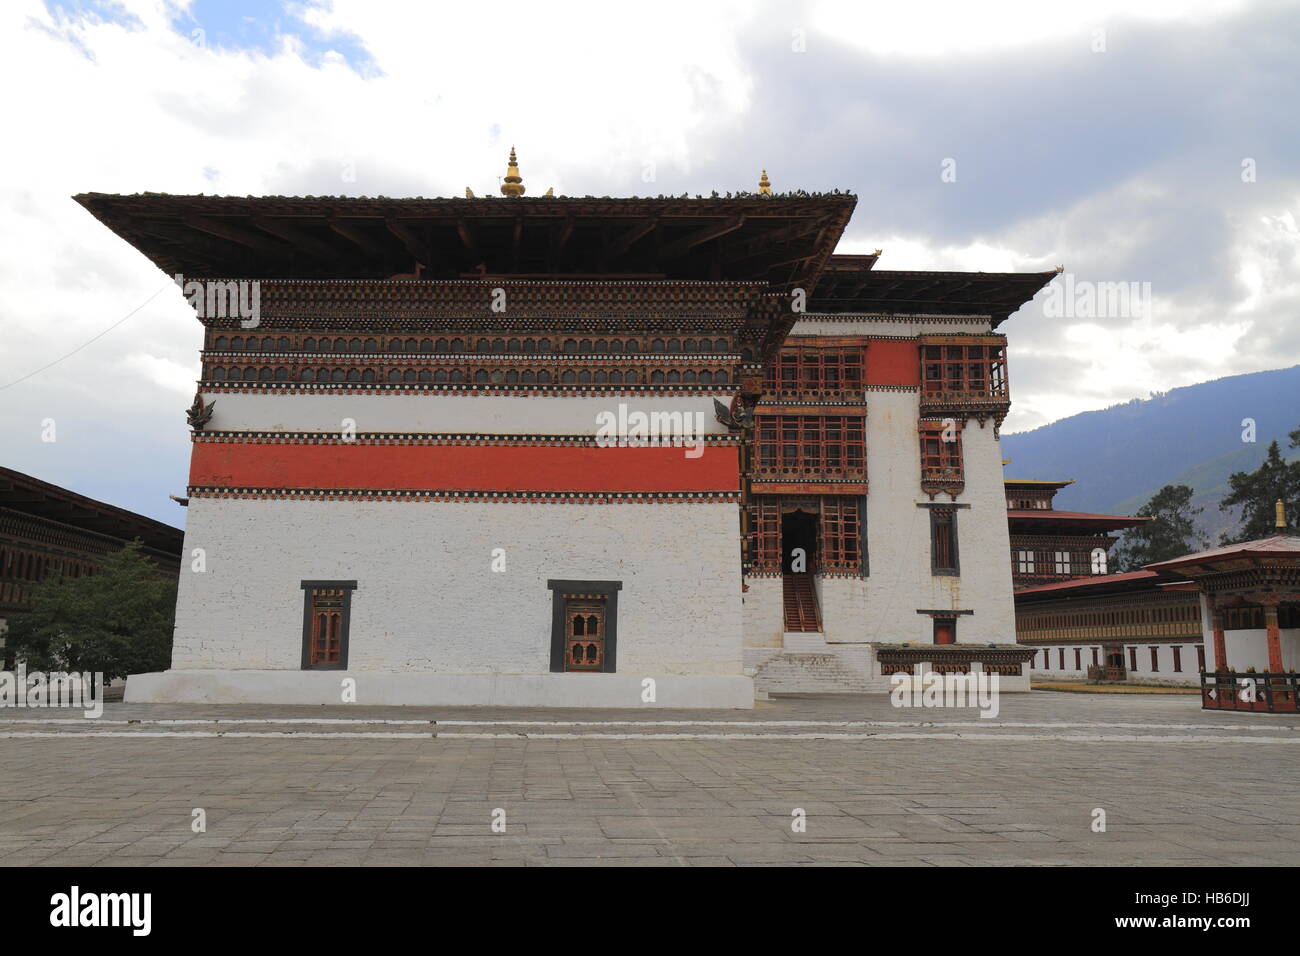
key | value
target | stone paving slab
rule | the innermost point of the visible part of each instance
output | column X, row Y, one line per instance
column 1180, row 786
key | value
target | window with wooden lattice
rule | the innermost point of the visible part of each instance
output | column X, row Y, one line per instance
column 943, row 541
column 941, row 459
column 327, row 608
column 765, row 534
column 584, row 640
column 808, row 372
column 841, row 535
column 964, row 371
column 584, row 625
column 810, row 446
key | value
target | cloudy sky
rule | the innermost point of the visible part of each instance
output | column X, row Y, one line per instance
column 1130, row 140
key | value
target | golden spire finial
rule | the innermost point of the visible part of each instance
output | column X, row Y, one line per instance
column 1279, row 515
column 764, row 187
column 514, row 183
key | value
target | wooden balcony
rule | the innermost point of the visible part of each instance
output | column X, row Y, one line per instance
column 978, row 401
column 1267, row 693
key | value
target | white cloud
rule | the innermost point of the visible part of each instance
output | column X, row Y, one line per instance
column 940, row 27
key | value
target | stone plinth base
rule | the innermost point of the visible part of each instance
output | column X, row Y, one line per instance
column 440, row 690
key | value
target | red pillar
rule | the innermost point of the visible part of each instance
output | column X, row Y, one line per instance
column 1274, row 639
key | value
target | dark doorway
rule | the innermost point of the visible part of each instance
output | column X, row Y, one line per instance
column 798, row 562
column 798, row 532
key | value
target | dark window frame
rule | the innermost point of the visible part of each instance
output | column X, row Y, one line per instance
column 347, row 587
column 936, row 516
column 609, row 590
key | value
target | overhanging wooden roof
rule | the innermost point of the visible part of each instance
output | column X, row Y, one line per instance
column 1035, row 484
column 869, row 290
column 783, row 239
column 32, row 496
column 1051, row 521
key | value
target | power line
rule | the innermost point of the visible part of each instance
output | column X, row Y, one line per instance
column 88, row 341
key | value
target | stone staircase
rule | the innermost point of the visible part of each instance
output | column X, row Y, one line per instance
column 808, row 665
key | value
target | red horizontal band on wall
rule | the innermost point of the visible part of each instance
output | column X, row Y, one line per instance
column 463, row 467
column 893, row 362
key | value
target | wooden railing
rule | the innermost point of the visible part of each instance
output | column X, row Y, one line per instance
column 1268, row 693
column 1104, row 672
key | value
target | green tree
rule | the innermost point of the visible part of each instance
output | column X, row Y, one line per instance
column 1171, row 534
column 1255, row 493
column 118, row 622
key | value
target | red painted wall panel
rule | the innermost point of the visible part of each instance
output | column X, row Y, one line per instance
column 462, row 467
column 893, row 362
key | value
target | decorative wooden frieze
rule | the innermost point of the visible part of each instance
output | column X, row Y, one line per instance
column 534, row 497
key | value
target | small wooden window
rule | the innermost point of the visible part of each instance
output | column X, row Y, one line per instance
column 583, row 625
column 1178, row 659
column 1200, row 657
column 943, row 541
column 1155, row 660
column 327, row 607
column 941, row 461
column 1132, row 658
column 1078, row 661
column 584, row 644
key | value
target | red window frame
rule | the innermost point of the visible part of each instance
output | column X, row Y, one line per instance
column 765, row 534
column 816, row 371
column 941, row 460
column 841, row 535
column 839, row 540
column 810, row 446
column 964, row 370
column 328, row 607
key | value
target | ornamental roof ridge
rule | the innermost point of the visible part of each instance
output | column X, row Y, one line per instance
column 795, row 195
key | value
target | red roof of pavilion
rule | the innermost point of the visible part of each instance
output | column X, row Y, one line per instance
column 1279, row 545
column 1100, row 581
column 1124, row 581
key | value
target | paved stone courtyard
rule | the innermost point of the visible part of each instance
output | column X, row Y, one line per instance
column 878, row 785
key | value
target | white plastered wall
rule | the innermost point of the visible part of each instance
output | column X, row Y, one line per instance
column 427, row 599
column 441, row 414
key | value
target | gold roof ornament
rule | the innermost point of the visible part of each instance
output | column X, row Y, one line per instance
column 514, row 183
column 1279, row 514
column 764, row 187
column 469, row 193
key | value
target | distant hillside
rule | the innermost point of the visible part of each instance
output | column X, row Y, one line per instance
column 1121, row 455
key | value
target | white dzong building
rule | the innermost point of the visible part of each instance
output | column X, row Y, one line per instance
column 577, row 452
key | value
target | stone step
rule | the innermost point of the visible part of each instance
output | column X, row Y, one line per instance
column 811, row 672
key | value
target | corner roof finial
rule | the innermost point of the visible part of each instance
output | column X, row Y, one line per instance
column 764, row 187
column 1279, row 515
column 514, row 183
